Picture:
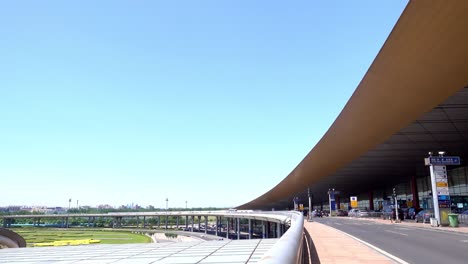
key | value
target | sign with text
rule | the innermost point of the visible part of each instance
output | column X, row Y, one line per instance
column 440, row 173
column 354, row 203
column 448, row 160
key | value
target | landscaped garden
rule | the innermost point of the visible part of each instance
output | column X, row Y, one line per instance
column 77, row 236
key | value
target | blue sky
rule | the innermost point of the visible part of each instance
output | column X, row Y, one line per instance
column 210, row 102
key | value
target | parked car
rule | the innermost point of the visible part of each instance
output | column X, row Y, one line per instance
column 413, row 211
column 340, row 212
column 389, row 213
column 362, row 213
column 353, row 212
column 316, row 213
column 423, row 216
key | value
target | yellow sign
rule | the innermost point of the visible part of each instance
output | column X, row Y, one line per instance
column 442, row 184
column 301, row 207
column 354, row 203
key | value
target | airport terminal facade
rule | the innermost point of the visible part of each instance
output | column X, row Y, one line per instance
column 413, row 100
column 407, row 197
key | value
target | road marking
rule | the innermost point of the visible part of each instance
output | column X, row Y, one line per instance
column 403, row 228
column 464, row 241
column 338, row 224
column 403, row 234
column 397, row 259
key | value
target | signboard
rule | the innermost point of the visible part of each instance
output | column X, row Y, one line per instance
column 440, row 173
column 301, row 207
column 448, row 160
column 444, row 198
column 444, row 204
column 332, row 200
column 354, row 203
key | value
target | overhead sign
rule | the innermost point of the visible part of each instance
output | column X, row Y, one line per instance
column 448, row 160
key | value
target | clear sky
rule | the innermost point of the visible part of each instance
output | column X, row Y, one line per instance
column 210, row 102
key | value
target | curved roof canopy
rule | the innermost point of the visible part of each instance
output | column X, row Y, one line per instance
column 411, row 100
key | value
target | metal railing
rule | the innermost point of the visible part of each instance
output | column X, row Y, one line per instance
column 288, row 249
column 463, row 219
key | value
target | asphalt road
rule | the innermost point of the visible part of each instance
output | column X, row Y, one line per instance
column 411, row 244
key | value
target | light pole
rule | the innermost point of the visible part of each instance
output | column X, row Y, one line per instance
column 69, row 204
column 310, row 210
column 331, row 200
column 395, row 200
column 185, row 205
column 167, row 200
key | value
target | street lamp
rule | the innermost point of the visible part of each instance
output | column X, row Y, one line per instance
column 69, row 204
column 185, row 205
column 167, row 200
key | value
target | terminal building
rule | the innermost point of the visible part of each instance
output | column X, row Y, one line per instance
column 413, row 100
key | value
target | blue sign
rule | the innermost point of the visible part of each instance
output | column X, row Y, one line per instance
column 444, row 198
column 449, row 160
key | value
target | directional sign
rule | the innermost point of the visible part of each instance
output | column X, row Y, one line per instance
column 448, row 160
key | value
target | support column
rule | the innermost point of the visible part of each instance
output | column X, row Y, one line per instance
column 206, row 224
column 159, row 221
column 238, row 228
column 193, row 221
column 250, row 228
column 263, row 229
column 177, row 223
column 278, row 231
column 89, row 221
column 414, row 190
column 138, row 221
column 66, row 222
column 199, row 221
column 144, row 221
column 371, row 200
column 216, row 226
column 166, row 221
column 227, row 227
column 186, row 222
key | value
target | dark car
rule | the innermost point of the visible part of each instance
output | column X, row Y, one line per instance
column 423, row 216
column 413, row 211
column 389, row 213
column 316, row 213
column 340, row 212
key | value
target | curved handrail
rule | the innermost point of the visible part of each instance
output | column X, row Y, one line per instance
column 288, row 249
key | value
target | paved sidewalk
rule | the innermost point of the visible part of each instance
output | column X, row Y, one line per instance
column 333, row 246
column 461, row 228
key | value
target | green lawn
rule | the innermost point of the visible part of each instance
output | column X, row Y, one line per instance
column 38, row 235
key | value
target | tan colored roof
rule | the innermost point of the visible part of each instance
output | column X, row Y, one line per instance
column 423, row 62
